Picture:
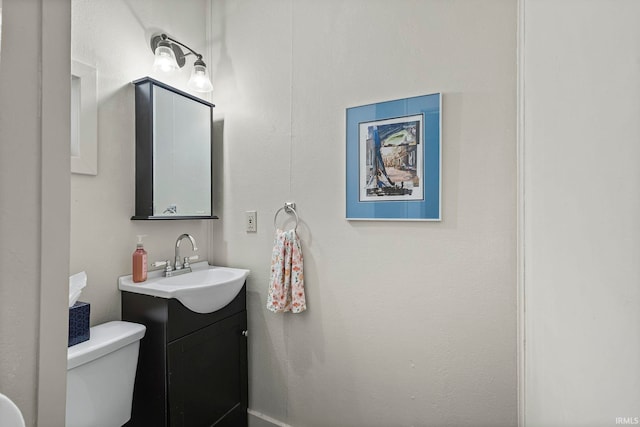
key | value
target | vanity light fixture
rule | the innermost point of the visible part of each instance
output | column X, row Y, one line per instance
column 170, row 57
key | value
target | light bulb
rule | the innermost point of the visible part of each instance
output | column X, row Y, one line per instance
column 199, row 80
column 165, row 58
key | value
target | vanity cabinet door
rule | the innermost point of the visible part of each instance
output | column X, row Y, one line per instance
column 207, row 376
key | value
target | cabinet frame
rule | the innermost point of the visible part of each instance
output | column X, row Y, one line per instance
column 144, row 150
column 168, row 322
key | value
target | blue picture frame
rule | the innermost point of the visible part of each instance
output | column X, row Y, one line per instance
column 393, row 158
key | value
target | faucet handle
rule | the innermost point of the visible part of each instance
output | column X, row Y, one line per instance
column 166, row 264
column 187, row 260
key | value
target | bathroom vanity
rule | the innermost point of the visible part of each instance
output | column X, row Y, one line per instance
column 192, row 367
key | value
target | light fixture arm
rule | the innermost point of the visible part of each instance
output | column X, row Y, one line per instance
column 175, row 46
column 191, row 51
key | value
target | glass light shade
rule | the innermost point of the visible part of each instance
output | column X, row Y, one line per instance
column 199, row 81
column 165, row 59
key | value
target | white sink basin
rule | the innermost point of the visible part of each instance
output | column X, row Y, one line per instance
column 205, row 290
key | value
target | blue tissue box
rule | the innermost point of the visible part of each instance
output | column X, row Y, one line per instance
column 79, row 323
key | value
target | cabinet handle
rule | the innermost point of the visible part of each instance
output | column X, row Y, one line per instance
column 245, row 333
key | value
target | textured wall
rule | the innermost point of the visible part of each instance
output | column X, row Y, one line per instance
column 34, row 206
column 582, row 234
column 408, row 324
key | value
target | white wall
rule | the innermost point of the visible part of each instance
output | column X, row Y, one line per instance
column 34, row 206
column 408, row 323
column 113, row 36
column 582, row 233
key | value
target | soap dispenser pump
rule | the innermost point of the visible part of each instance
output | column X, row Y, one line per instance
column 139, row 262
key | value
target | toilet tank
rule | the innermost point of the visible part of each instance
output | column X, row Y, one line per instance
column 100, row 375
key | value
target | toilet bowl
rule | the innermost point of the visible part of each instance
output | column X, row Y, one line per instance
column 10, row 415
column 100, row 375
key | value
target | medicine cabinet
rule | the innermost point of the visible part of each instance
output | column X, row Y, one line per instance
column 173, row 153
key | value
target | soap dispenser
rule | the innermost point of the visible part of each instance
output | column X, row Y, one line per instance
column 139, row 262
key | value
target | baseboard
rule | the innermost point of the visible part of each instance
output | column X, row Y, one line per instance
column 258, row 419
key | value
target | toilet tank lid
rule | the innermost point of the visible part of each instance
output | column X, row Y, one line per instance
column 104, row 339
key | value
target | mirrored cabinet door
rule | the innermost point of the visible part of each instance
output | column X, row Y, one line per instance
column 173, row 153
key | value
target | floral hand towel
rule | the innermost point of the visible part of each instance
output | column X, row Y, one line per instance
column 286, row 285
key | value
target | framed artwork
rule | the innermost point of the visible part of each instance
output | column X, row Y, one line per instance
column 394, row 160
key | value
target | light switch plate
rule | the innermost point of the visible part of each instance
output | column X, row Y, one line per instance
column 251, row 221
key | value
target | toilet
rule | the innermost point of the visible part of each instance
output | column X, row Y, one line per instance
column 10, row 415
column 100, row 375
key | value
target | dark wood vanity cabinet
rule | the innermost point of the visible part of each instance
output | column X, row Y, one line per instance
column 192, row 368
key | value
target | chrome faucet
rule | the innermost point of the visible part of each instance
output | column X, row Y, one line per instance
column 178, row 262
column 180, row 267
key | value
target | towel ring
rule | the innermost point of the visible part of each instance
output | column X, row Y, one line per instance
column 289, row 208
